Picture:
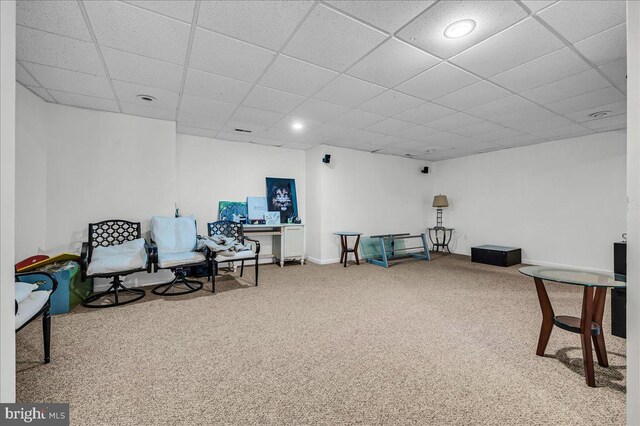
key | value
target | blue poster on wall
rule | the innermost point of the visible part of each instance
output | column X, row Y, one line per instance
column 281, row 197
column 234, row 211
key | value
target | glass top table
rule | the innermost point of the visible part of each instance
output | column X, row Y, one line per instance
column 589, row 324
column 575, row 276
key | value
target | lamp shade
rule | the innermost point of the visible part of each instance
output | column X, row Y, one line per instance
column 440, row 201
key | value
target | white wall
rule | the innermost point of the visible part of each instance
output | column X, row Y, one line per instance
column 562, row 202
column 368, row 193
column 211, row 170
column 7, row 199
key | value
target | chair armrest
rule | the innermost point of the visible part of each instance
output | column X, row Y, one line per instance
column 152, row 255
column 84, row 260
column 40, row 278
column 256, row 242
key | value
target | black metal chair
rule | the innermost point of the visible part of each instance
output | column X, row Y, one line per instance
column 233, row 230
column 38, row 303
column 110, row 233
column 174, row 244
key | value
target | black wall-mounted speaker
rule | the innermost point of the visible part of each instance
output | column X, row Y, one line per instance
column 425, row 170
column 326, row 159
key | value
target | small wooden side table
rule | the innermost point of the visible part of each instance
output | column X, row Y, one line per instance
column 345, row 250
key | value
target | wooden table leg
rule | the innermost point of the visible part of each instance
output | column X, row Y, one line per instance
column 355, row 249
column 598, row 341
column 547, row 317
column 346, row 250
column 585, row 335
column 342, row 249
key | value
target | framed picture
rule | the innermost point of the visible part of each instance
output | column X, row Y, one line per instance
column 272, row 218
column 281, row 197
column 235, row 211
column 257, row 207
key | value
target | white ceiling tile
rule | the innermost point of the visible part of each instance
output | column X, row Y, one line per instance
column 425, row 113
column 438, row 81
column 521, row 43
column 200, row 121
column 614, row 108
column 574, row 85
column 536, row 5
column 289, row 135
column 393, row 141
column 478, row 129
column 604, row 96
column 608, row 123
column 333, row 131
column 42, row 93
column 348, row 91
column 502, row 107
column 58, row 17
column 357, row 119
column 135, row 30
column 605, row 47
column 491, row 17
column 332, row 40
column 142, row 70
column 616, row 71
column 365, row 136
column 577, row 20
column 389, row 126
column 418, row 133
column 386, row 15
column 235, row 136
column 570, row 131
column 265, row 23
column 207, row 85
column 319, row 110
column 520, row 140
column 287, row 123
column 366, row 147
column 540, row 125
column 205, row 106
column 23, row 77
column 82, row 101
column 454, row 121
column 178, row 9
column 545, row 69
column 471, row 96
column 272, row 100
column 223, row 55
column 519, row 117
column 232, row 127
column 496, row 135
column 294, row 76
column 57, row 51
column 390, row 103
column 128, row 92
column 392, row 63
column 70, row 81
column 195, row 131
column 256, row 116
column 147, row 111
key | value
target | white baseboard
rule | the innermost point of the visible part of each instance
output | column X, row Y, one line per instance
column 322, row 262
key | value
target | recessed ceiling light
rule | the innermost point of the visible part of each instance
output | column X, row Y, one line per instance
column 146, row 98
column 460, row 28
column 297, row 126
column 599, row 114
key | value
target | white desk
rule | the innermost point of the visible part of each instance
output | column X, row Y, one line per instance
column 288, row 240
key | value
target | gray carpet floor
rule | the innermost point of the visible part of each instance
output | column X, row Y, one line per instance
column 440, row 342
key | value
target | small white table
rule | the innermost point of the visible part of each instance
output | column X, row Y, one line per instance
column 288, row 240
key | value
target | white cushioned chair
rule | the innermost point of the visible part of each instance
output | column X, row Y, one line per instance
column 114, row 248
column 174, row 240
column 33, row 293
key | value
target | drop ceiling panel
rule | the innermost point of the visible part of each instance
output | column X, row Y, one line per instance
column 147, row 111
column 287, row 123
column 231, row 58
column 472, row 96
column 386, row 15
column 178, row 9
column 357, row 119
column 125, row 27
column 332, row 40
column 497, row 135
column 425, row 113
column 525, row 116
column 390, row 103
column 520, row 140
column 265, row 23
column 417, row 133
column 608, row 123
column 588, row 100
column 585, row 82
column 198, row 105
column 502, row 107
column 389, row 126
column 615, row 108
column 348, row 91
column 142, row 70
column 543, row 70
column 256, row 116
column 195, row 131
column 23, row 77
column 128, row 92
column 59, row 17
column 319, row 110
column 57, row 51
column 570, row 131
column 42, row 93
column 82, row 101
column 577, row 20
column 201, row 121
column 272, row 100
column 70, row 81
column 491, row 17
column 438, row 81
column 536, row 5
column 605, row 47
column 255, row 129
column 478, row 129
column 616, row 71
column 541, row 125
column 392, row 63
column 213, row 86
column 454, row 121
column 295, row 76
column 521, row 43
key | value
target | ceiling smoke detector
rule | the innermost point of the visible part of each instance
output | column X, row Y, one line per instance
column 146, row 98
column 599, row 114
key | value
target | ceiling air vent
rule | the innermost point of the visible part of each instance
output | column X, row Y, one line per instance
column 243, row 130
column 146, row 98
column 599, row 114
